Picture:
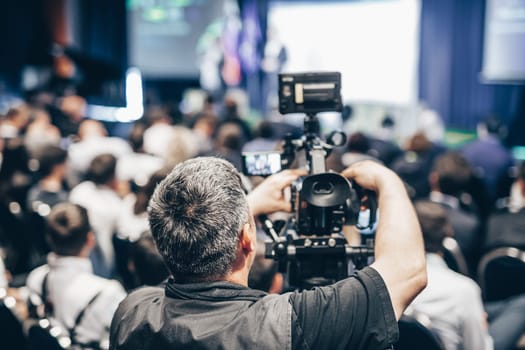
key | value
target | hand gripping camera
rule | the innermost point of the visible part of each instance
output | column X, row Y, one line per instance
column 310, row 248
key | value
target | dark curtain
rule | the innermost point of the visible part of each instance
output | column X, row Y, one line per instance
column 450, row 63
column 24, row 39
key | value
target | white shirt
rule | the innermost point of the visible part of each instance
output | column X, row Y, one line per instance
column 81, row 154
column 138, row 167
column 157, row 138
column 70, row 286
column 103, row 206
column 453, row 304
column 130, row 225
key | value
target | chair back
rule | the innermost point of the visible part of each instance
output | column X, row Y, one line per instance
column 501, row 273
column 454, row 256
column 413, row 335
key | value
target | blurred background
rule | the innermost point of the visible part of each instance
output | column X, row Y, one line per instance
column 454, row 61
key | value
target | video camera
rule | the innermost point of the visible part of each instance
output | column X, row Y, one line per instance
column 310, row 248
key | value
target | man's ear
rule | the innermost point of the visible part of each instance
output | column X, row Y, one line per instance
column 246, row 240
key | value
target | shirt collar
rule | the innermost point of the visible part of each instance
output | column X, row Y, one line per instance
column 216, row 291
column 442, row 198
column 76, row 263
column 435, row 260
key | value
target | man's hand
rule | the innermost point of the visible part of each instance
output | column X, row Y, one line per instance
column 371, row 175
column 399, row 252
column 269, row 196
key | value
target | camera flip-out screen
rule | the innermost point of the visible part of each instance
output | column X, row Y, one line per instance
column 310, row 93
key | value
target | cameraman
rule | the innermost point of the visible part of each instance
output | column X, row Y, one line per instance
column 203, row 225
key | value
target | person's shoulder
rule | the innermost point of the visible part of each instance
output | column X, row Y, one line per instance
column 142, row 294
column 35, row 278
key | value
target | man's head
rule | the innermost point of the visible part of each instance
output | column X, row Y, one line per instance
column 198, row 217
column 102, row 169
column 434, row 225
column 451, row 174
column 68, row 230
column 49, row 158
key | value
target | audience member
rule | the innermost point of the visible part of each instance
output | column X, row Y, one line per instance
column 181, row 146
column 15, row 121
column 205, row 231
column 489, row 157
column 203, row 127
column 50, row 189
column 264, row 140
column 99, row 196
column 453, row 301
column 357, row 149
column 93, row 142
column 159, row 131
column 414, row 166
column 508, row 228
column 40, row 132
column 82, row 302
column 449, row 181
column 133, row 217
column 228, row 144
column 137, row 166
column 383, row 146
column 146, row 263
column 230, row 116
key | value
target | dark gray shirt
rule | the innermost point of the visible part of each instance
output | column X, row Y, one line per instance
column 355, row 313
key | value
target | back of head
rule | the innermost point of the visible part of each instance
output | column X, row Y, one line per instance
column 359, row 143
column 102, row 169
column 91, row 128
column 434, row 224
column 453, row 173
column 196, row 215
column 49, row 157
column 265, row 130
column 149, row 266
column 67, row 229
column 494, row 126
column 419, row 143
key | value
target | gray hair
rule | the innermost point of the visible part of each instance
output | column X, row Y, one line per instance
column 196, row 215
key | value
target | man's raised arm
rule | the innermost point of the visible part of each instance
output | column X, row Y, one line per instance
column 399, row 249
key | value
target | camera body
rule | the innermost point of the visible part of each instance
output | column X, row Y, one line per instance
column 310, row 248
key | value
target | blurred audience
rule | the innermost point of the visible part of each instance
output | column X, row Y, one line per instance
column 99, row 195
column 449, row 181
column 507, row 228
column 490, row 158
column 159, row 131
column 94, row 141
column 453, row 301
column 50, row 189
column 137, row 166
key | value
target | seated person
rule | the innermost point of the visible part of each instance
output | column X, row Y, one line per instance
column 449, row 181
column 67, row 281
column 508, row 228
column 453, row 301
column 50, row 189
column 146, row 263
